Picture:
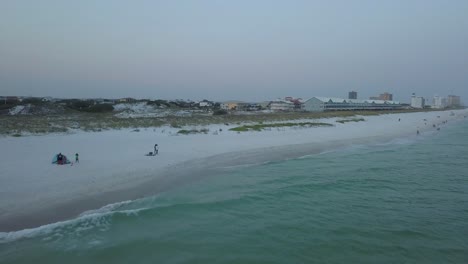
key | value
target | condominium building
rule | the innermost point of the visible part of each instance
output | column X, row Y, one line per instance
column 384, row 97
column 453, row 101
column 439, row 102
column 417, row 101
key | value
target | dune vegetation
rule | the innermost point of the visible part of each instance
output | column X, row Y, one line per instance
column 70, row 120
column 260, row 127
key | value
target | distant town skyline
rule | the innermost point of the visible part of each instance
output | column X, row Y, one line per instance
column 234, row 50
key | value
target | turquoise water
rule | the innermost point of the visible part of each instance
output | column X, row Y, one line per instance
column 403, row 202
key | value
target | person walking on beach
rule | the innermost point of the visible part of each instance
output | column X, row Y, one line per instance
column 156, row 149
column 77, row 158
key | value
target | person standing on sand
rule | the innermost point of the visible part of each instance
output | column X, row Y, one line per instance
column 77, row 159
column 156, row 149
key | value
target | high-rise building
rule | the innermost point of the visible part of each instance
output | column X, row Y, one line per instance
column 453, row 101
column 417, row 101
column 439, row 102
column 386, row 97
column 352, row 95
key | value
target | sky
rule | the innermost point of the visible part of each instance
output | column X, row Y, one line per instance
column 251, row 50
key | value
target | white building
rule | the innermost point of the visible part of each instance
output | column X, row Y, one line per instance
column 205, row 104
column 453, row 101
column 319, row 104
column 439, row 102
column 227, row 106
column 232, row 105
column 281, row 105
column 417, row 101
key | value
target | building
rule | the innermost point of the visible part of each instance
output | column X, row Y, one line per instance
column 453, row 101
column 319, row 104
column 243, row 106
column 352, row 95
column 205, row 104
column 296, row 101
column 439, row 102
column 238, row 106
column 10, row 99
column 252, row 107
column 264, row 105
column 385, row 97
column 417, row 101
column 231, row 105
column 281, row 105
column 127, row 100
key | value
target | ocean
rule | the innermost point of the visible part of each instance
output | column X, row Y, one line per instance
column 404, row 201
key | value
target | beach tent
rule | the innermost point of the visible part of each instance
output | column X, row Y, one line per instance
column 64, row 161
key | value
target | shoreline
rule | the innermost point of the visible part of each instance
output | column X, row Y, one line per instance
column 67, row 191
column 171, row 177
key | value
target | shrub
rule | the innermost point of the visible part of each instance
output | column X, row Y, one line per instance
column 34, row 101
column 89, row 106
column 260, row 127
column 6, row 106
column 158, row 103
column 192, row 131
column 350, row 120
column 220, row 112
column 79, row 104
column 99, row 108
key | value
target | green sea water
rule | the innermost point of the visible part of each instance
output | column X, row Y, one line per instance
column 400, row 202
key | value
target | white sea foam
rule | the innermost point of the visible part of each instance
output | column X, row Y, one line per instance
column 106, row 208
column 241, row 166
column 87, row 221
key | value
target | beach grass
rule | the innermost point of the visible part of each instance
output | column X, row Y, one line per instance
column 342, row 121
column 193, row 131
column 261, row 126
column 73, row 120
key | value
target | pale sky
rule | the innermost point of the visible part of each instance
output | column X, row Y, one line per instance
column 249, row 50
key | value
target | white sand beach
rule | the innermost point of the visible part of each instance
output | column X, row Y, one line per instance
column 113, row 166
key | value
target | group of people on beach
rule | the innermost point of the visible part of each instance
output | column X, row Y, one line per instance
column 62, row 159
column 155, row 152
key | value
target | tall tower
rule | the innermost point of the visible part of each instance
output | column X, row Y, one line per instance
column 352, row 95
